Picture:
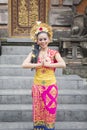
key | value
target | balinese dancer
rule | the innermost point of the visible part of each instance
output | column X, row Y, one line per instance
column 44, row 89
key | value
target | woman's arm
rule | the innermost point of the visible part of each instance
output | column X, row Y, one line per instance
column 60, row 62
column 27, row 62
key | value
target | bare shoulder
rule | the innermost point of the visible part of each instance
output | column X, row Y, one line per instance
column 58, row 57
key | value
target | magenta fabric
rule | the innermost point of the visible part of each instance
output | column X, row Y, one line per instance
column 53, row 98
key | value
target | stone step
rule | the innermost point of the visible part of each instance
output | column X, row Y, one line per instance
column 19, row 50
column 22, row 112
column 12, row 59
column 64, row 82
column 24, row 96
column 29, row 126
column 16, row 54
column 17, row 70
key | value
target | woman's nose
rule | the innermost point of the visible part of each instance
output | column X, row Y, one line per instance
column 43, row 40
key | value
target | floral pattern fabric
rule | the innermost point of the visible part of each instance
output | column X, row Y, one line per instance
column 44, row 94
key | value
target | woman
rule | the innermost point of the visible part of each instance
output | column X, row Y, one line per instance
column 44, row 89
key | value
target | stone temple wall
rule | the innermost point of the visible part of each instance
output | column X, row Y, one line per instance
column 3, row 18
column 79, row 69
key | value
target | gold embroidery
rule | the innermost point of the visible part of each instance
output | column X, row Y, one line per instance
column 39, row 123
column 50, row 126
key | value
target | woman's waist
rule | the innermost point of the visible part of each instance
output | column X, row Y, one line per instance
column 44, row 73
column 44, row 80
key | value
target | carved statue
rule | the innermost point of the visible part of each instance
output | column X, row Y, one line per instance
column 84, row 32
column 79, row 27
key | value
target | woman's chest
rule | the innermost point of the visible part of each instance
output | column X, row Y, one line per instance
column 48, row 57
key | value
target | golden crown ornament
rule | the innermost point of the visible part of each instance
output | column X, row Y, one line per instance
column 40, row 27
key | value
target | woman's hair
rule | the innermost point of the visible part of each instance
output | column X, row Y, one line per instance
column 35, row 53
column 35, row 50
column 43, row 32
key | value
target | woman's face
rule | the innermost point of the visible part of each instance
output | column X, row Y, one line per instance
column 43, row 40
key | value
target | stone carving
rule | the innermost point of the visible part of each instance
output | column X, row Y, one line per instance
column 22, row 13
column 33, row 12
column 84, row 31
column 79, row 27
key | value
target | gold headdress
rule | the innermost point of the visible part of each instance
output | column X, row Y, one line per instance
column 39, row 27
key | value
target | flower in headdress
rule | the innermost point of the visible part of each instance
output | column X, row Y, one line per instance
column 40, row 29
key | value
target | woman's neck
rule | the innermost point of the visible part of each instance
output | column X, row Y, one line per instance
column 44, row 49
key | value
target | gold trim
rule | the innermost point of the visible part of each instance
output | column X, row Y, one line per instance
column 9, row 17
column 39, row 27
column 23, row 14
column 33, row 14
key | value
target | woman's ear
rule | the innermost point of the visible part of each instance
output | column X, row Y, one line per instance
column 37, row 43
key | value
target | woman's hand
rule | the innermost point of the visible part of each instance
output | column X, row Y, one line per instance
column 46, row 61
column 27, row 62
column 59, row 64
column 38, row 65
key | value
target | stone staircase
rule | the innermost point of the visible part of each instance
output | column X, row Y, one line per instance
column 16, row 100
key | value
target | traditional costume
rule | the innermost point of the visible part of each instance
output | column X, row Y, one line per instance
column 44, row 89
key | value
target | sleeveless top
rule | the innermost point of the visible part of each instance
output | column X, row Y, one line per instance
column 46, row 75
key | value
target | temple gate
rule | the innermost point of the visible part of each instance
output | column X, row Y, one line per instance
column 24, row 13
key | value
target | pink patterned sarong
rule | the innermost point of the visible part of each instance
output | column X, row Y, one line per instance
column 45, row 93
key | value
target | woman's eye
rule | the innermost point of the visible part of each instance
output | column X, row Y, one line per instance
column 40, row 39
